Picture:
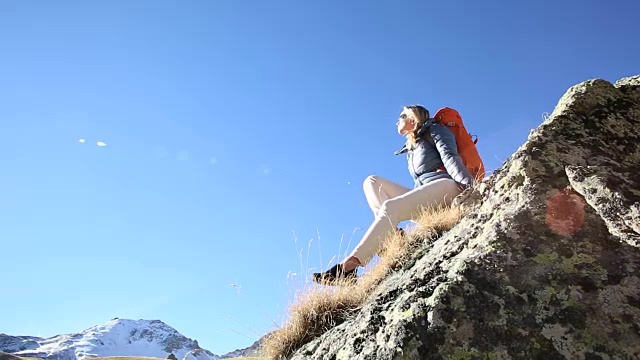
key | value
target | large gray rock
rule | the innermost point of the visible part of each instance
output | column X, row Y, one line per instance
column 614, row 194
column 546, row 265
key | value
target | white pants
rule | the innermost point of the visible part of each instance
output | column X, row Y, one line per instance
column 392, row 203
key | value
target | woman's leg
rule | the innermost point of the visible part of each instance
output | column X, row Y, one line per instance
column 404, row 207
column 377, row 190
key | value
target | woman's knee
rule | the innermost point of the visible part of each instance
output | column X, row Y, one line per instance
column 390, row 209
column 371, row 185
column 370, row 181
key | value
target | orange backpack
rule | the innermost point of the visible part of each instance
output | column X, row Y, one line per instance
column 466, row 145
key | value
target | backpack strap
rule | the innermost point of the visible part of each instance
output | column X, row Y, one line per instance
column 424, row 133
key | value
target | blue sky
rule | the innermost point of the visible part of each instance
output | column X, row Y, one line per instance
column 230, row 126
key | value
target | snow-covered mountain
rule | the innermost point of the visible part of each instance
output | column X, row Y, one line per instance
column 251, row 351
column 11, row 344
column 118, row 337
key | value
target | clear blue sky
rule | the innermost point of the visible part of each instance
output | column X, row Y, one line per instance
column 232, row 124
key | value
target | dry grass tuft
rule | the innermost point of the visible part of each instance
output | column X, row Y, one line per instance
column 318, row 309
column 315, row 311
column 435, row 222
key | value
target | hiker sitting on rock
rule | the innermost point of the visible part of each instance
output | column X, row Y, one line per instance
column 439, row 175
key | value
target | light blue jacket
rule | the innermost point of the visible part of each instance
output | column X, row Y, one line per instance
column 436, row 147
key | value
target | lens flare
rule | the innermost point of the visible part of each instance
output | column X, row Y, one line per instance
column 565, row 212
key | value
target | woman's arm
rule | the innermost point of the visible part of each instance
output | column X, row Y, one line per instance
column 445, row 142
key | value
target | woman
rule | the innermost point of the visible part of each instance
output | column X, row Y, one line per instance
column 439, row 176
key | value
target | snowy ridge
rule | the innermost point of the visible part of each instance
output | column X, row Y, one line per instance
column 251, row 351
column 118, row 337
column 12, row 344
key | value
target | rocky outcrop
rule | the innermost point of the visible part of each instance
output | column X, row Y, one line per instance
column 6, row 356
column 546, row 264
column 251, row 351
column 200, row 354
column 613, row 192
column 10, row 344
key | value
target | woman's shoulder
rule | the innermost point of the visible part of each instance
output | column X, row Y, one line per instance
column 440, row 130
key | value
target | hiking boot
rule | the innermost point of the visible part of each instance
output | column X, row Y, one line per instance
column 335, row 275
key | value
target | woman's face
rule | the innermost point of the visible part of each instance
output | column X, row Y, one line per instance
column 406, row 123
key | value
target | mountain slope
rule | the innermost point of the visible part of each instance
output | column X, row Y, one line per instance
column 5, row 356
column 11, row 344
column 118, row 337
column 246, row 353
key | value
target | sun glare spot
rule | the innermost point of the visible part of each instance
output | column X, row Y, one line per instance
column 565, row 212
